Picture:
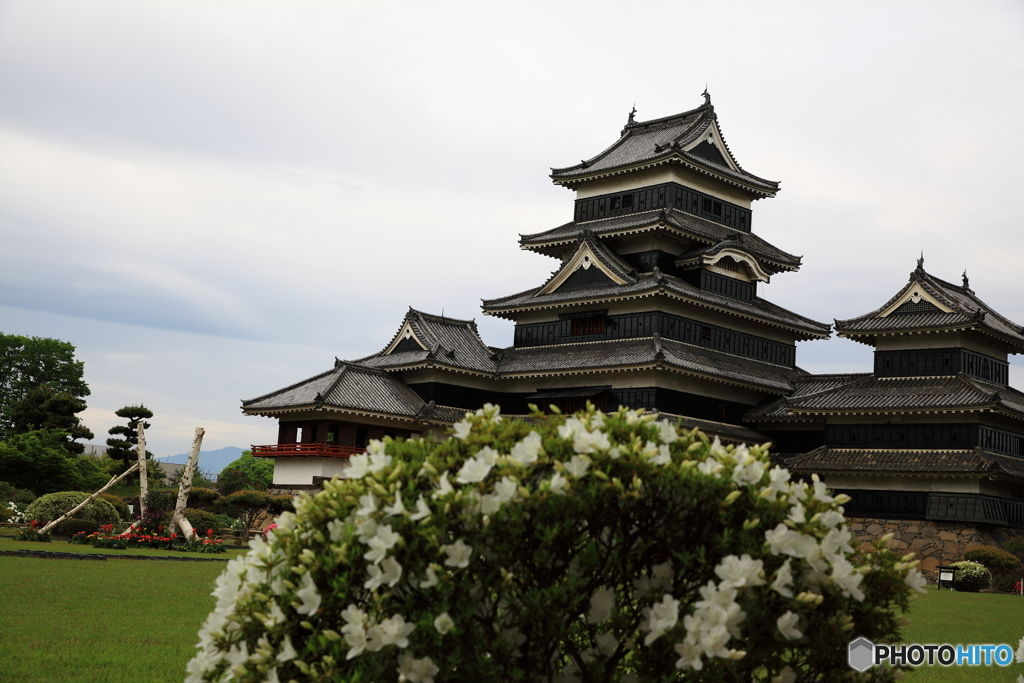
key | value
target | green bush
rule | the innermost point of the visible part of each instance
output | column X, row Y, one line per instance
column 971, row 577
column 592, row 547
column 161, row 499
column 202, row 498
column 70, row 527
column 118, row 503
column 224, row 521
column 10, row 494
column 1001, row 563
column 53, row 505
column 201, row 520
column 5, row 513
column 1015, row 546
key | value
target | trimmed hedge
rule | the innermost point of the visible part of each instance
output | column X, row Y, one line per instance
column 118, row 503
column 201, row 520
column 972, row 577
column 70, row 527
column 53, row 505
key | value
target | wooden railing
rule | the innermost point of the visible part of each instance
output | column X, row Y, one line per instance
column 306, row 450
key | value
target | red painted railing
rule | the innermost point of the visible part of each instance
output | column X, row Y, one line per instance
column 306, row 450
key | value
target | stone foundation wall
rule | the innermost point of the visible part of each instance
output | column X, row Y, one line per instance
column 935, row 543
column 294, row 489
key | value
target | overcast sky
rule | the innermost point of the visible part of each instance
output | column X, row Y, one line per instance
column 213, row 200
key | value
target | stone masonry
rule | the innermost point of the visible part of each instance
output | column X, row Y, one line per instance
column 935, row 543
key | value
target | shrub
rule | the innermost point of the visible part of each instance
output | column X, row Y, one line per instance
column 161, row 500
column 971, row 577
column 201, row 520
column 1002, row 564
column 70, row 527
column 53, row 505
column 1015, row 546
column 118, row 503
column 589, row 547
column 202, row 498
column 5, row 513
column 224, row 522
column 10, row 494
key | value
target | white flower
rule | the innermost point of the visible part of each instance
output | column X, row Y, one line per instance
column 588, row 442
column 710, row 467
column 336, row 528
column 749, row 470
column 525, row 452
column 308, row 595
column 661, row 617
column 787, row 626
column 384, row 540
column 444, row 486
column 398, row 508
column 443, row 623
column 287, row 652
column 821, row 491
column 395, row 631
column 458, row 554
column 783, row 579
column 606, row 644
column 474, row 470
column 1020, row 652
column 366, row 529
column 272, row 676
column 570, row 427
column 378, row 458
column 915, row 580
column 785, row 676
column 578, row 466
column 431, row 580
column 367, row 505
column 358, row 467
column 739, row 572
column 387, row 572
column 559, row 484
column 667, row 432
column 355, row 638
column 831, row 519
column 796, row 513
column 422, row 511
column 416, row 670
column 602, row 604
column 847, row 577
column 462, row 429
column 778, row 479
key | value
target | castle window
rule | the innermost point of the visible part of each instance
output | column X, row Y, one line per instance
column 705, row 333
column 627, row 201
column 594, row 324
column 616, row 203
column 361, row 436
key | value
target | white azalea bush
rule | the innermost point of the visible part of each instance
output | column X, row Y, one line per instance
column 598, row 547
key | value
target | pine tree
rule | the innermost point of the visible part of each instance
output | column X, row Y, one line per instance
column 125, row 448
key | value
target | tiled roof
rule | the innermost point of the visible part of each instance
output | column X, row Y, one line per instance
column 803, row 386
column 650, row 284
column 897, row 394
column 347, row 386
column 905, row 461
column 661, row 141
column 968, row 311
column 696, row 228
column 451, row 342
column 618, row 353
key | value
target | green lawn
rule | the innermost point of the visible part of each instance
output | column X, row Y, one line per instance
column 98, row 622
column 65, row 547
column 968, row 618
column 70, row 621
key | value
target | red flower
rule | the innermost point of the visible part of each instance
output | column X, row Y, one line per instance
column 209, row 533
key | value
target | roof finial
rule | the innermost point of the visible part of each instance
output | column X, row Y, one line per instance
column 967, row 284
column 631, row 114
column 707, row 96
column 920, row 261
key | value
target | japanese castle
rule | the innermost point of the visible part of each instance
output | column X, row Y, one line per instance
column 654, row 305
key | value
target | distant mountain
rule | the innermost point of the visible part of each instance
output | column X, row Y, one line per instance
column 211, row 462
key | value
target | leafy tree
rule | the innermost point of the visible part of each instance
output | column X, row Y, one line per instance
column 44, row 408
column 246, row 473
column 29, row 362
column 247, row 506
column 125, row 448
column 598, row 548
column 38, row 461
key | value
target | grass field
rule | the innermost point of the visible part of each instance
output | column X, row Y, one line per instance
column 116, row 621
column 64, row 547
column 100, row 622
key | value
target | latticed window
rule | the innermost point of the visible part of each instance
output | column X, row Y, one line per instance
column 594, row 324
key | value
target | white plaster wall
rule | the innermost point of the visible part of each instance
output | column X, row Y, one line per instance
column 294, row 470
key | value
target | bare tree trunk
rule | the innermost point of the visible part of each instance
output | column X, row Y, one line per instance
column 143, row 478
column 186, row 486
column 88, row 500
